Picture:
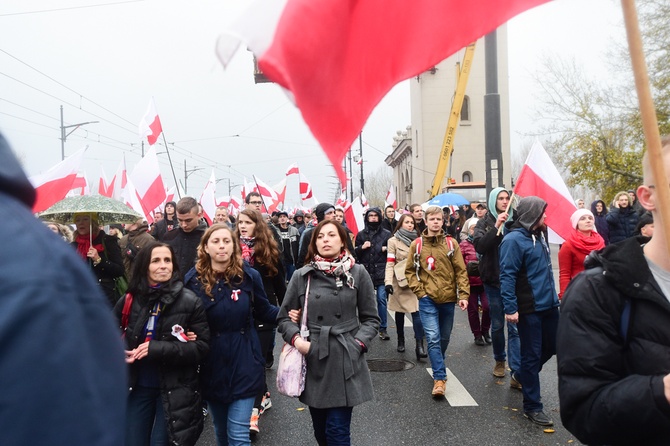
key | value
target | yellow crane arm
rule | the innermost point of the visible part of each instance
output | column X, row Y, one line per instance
column 454, row 115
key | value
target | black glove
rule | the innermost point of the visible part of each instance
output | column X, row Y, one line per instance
column 389, row 289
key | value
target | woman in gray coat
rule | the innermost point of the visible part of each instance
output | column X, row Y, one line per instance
column 342, row 320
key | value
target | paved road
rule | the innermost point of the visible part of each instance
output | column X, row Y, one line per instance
column 479, row 410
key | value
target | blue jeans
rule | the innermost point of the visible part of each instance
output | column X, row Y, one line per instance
column 145, row 418
column 437, row 320
column 290, row 269
column 538, row 344
column 498, row 331
column 381, row 306
column 332, row 426
column 231, row 421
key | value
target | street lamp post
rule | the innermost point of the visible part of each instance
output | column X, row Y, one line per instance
column 187, row 173
column 63, row 135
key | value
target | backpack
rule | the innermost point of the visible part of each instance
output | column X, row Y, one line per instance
column 448, row 240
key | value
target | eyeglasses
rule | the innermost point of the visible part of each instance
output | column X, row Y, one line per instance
column 256, row 202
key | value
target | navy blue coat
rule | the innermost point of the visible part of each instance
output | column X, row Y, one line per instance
column 622, row 223
column 234, row 368
column 62, row 368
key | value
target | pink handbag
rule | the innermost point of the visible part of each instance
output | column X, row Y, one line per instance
column 292, row 367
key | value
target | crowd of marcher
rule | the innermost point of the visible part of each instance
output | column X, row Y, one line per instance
column 203, row 303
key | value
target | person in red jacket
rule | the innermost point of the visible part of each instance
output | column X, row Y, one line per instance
column 582, row 241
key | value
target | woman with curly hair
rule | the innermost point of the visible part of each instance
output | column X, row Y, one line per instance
column 233, row 295
column 261, row 251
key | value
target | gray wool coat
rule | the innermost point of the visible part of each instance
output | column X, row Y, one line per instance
column 337, row 373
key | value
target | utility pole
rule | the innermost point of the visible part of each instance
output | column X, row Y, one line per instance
column 351, row 179
column 187, row 173
column 492, row 126
column 63, row 135
column 360, row 149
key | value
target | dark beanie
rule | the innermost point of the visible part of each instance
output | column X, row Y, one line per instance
column 321, row 209
column 645, row 219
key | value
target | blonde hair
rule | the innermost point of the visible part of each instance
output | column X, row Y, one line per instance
column 433, row 210
column 234, row 272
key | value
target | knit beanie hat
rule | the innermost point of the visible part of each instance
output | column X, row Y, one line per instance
column 579, row 213
column 322, row 209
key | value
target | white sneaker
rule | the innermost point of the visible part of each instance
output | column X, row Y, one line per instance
column 266, row 403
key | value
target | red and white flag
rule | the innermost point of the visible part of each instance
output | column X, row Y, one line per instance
column 342, row 200
column 130, row 197
column 54, row 184
column 540, row 178
column 81, row 183
column 390, row 198
column 119, row 181
column 338, row 59
column 102, row 184
column 305, row 188
column 150, row 125
column 267, row 193
column 208, row 200
column 169, row 195
column 146, row 178
column 280, row 189
column 292, row 169
column 364, row 202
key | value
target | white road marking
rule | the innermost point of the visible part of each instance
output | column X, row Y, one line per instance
column 455, row 392
column 408, row 318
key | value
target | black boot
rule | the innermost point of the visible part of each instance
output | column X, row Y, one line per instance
column 420, row 351
column 401, row 345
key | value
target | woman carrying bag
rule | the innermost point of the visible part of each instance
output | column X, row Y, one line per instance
column 401, row 298
column 342, row 321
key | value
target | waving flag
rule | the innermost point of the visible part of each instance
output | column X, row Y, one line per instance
column 102, row 184
column 208, row 200
column 267, row 193
column 338, row 58
column 540, row 178
column 148, row 182
column 305, row 188
column 390, row 198
column 150, row 126
column 280, row 189
column 80, row 183
column 118, row 183
column 292, row 169
column 53, row 185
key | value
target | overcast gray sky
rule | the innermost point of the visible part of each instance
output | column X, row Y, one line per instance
column 104, row 63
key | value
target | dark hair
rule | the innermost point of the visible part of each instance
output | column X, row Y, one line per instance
column 413, row 206
column 139, row 284
column 404, row 217
column 247, row 199
column 311, row 251
column 186, row 205
column 388, row 207
column 266, row 250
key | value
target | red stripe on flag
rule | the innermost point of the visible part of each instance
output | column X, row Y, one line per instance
column 52, row 192
column 156, row 129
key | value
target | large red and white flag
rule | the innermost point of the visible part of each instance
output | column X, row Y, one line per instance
column 150, row 125
column 539, row 177
column 169, row 195
column 118, row 183
column 54, row 184
column 390, row 198
column 130, row 197
column 338, row 59
column 208, row 199
column 280, row 188
column 354, row 215
column 102, row 184
column 267, row 193
column 293, row 169
column 305, row 188
column 148, row 182
column 81, row 184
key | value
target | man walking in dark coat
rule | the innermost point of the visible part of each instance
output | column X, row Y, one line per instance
column 371, row 253
column 186, row 238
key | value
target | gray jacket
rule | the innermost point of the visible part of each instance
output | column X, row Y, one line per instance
column 337, row 373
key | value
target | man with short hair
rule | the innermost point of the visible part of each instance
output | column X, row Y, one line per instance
column 389, row 222
column 480, row 211
column 185, row 239
column 290, row 239
column 437, row 275
column 417, row 212
column 530, row 300
column 254, row 200
column 614, row 336
column 158, row 216
column 371, row 245
column 221, row 216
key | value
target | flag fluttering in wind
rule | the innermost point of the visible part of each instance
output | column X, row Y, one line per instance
column 305, row 188
column 118, row 183
column 54, row 184
column 208, row 200
column 150, row 125
column 268, row 194
column 280, row 189
column 292, row 169
column 81, row 183
column 390, row 198
column 338, row 59
column 103, row 188
column 539, row 177
column 148, row 182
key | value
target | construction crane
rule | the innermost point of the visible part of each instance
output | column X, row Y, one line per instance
column 454, row 115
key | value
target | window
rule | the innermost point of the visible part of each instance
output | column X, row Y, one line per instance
column 467, row 177
column 465, row 110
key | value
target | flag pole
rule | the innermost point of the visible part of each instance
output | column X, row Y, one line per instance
column 511, row 203
column 167, row 150
column 648, row 115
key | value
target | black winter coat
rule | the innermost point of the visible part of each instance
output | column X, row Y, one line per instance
column 110, row 267
column 185, row 245
column 275, row 289
column 373, row 258
column 487, row 241
column 622, row 223
column 177, row 362
column 611, row 391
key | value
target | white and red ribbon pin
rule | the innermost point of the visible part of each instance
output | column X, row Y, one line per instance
column 430, row 263
column 235, row 295
column 178, row 332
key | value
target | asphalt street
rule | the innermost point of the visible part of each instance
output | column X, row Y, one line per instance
column 480, row 409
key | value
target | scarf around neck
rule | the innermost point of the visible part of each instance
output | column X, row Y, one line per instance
column 247, row 245
column 336, row 267
column 405, row 236
column 84, row 244
column 586, row 243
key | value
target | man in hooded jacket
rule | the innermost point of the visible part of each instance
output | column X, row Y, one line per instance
column 529, row 299
column 371, row 244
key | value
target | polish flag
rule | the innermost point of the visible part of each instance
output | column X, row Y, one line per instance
column 338, row 59
column 355, row 215
column 130, row 198
column 102, row 184
column 208, row 200
column 305, row 188
column 81, row 183
column 540, row 178
column 267, row 193
column 280, row 189
column 342, row 200
column 150, row 126
column 235, row 205
column 364, row 202
column 119, row 181
column 54, row 184
column 148, row 182
column 390, row 198
column 169, row 195
column 247, row 189
column 292, row 169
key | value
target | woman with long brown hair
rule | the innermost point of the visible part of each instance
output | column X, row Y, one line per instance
column 233, row 295
column 261, row 251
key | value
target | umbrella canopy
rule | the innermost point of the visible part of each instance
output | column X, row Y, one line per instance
column 448, row 199
column 108, row 210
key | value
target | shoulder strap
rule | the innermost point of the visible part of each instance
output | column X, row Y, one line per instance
column 417, row 256
column 125, row 313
